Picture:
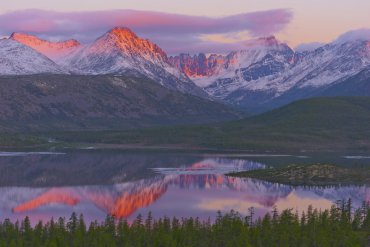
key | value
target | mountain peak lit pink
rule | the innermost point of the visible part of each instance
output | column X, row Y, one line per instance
column 123, row 33
column 173, row 32
column 128, row 42
column 53, row 50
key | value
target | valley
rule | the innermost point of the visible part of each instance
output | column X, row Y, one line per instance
column 313, row 125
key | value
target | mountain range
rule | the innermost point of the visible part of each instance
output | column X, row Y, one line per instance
column 266, row 73
column 263, row 74
column 18, row 59
column 118, row 52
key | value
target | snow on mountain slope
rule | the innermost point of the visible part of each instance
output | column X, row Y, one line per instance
column 260, row 57
column 120, row 51
column 19, row 59
column 319, row 68
column 267, row 69
column 56, row 51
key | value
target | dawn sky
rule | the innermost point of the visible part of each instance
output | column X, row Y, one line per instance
column 293, row 21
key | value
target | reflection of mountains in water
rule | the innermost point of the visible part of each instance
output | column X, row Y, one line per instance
column 358, row 194
column 125, row 199
column 83, row 168
column 212, row 166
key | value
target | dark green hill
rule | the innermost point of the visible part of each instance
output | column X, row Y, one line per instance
column 315, row 114
column 318, row 124
column 76, row 102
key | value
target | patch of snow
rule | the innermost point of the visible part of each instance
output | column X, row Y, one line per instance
column 19, row 59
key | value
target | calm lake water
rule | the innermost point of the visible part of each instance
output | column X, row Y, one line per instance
column 97, row 183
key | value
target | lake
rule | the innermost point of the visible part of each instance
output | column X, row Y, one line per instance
column 96, row 183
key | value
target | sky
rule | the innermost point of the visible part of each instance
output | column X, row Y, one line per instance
column 191, row 25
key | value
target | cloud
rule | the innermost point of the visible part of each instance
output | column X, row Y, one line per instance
column 157, row 26
column 359, row 34
column 308, row 46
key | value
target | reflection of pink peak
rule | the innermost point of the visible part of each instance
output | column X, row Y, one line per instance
column 128, row 202
column 59, row 196
column 50, row 49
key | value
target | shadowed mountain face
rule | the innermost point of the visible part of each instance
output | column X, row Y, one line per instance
column 317, row 124
column 42, row 102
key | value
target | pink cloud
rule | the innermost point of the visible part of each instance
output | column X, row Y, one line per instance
column 157, row 26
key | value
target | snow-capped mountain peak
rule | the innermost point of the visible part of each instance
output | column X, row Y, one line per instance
column 121, row 51
column 53, row 50
column 129, row 43
column 286, row 75
column 19, row 59
column 269, row 41
column 263, row 54
column 266, row 70
column 118, row 51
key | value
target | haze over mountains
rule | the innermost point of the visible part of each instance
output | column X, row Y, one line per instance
column 264, row 74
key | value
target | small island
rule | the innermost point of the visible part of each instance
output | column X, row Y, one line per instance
column 310, row 175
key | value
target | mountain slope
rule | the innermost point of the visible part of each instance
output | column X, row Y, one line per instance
column 317, row 124
column 120, row 51
column 220, row 74
column 267, row 73
column 358, row 84
column 318, row 113
column 313, row 73
column 355, row 85
column 56, row 51
column 61, row 102
column 18, row 59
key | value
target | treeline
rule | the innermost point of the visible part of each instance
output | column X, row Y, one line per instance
column 339, row 226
